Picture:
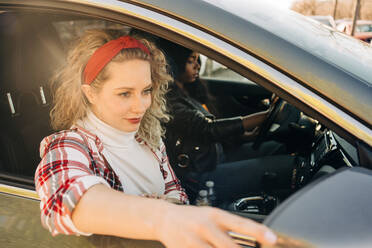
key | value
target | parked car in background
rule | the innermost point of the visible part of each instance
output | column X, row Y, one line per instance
column 363, row 29
column 319, row 74
column 326, row 20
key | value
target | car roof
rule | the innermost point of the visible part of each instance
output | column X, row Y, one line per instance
column 341, row 67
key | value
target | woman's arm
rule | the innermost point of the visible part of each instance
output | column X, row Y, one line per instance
column 103, row 210
column 74, row 201
column 61, row 178
column 196, row 126
column 193, row 123
column 254, row 120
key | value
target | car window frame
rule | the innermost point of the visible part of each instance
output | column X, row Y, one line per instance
column 283, row 85
column 233, row 57
column 270, row 78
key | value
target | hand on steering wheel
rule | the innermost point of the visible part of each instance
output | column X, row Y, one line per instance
column 250, row 136
column 276, row 105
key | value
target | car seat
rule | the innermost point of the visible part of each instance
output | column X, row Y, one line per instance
column 31, row 52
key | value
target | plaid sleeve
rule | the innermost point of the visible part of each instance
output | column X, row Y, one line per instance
column 61, row 179
column 173, row 188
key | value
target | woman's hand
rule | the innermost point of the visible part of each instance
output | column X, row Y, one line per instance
column 249, row 136
column 257, row 119
column 254, row 120
column 189, row 226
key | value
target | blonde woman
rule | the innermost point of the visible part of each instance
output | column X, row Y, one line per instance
column 94, row 174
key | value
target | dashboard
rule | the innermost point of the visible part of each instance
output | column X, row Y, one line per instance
column 328, row 153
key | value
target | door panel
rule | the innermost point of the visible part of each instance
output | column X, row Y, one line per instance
column 20, row 226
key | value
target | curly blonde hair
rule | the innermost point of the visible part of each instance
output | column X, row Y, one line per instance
column 70, row 104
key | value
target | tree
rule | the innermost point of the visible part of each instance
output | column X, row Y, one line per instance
column 345, row 8
column 305, row 7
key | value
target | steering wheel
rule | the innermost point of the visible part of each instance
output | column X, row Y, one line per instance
column 265, row 127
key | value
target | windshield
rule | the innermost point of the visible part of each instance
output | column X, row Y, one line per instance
column 364, row 27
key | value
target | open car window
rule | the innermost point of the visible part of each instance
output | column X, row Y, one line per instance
column 211, row 69
column 26, row 91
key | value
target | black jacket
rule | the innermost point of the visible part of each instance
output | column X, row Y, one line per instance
column 193, row 133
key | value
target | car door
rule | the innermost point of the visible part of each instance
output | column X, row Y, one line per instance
column 25, row 102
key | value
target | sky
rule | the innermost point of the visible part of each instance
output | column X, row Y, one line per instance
column 282, row 3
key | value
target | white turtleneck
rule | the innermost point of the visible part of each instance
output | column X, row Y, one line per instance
column 134, row 163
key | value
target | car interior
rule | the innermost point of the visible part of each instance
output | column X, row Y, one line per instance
column 34, row 45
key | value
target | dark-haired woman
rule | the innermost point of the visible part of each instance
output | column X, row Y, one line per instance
column 195, row 139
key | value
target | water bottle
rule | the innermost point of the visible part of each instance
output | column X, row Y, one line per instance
column 202, row 199
column 211, row 192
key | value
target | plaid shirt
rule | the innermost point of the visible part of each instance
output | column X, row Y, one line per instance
column 72, row 162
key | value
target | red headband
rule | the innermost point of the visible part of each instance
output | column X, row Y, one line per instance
column 105, row 53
